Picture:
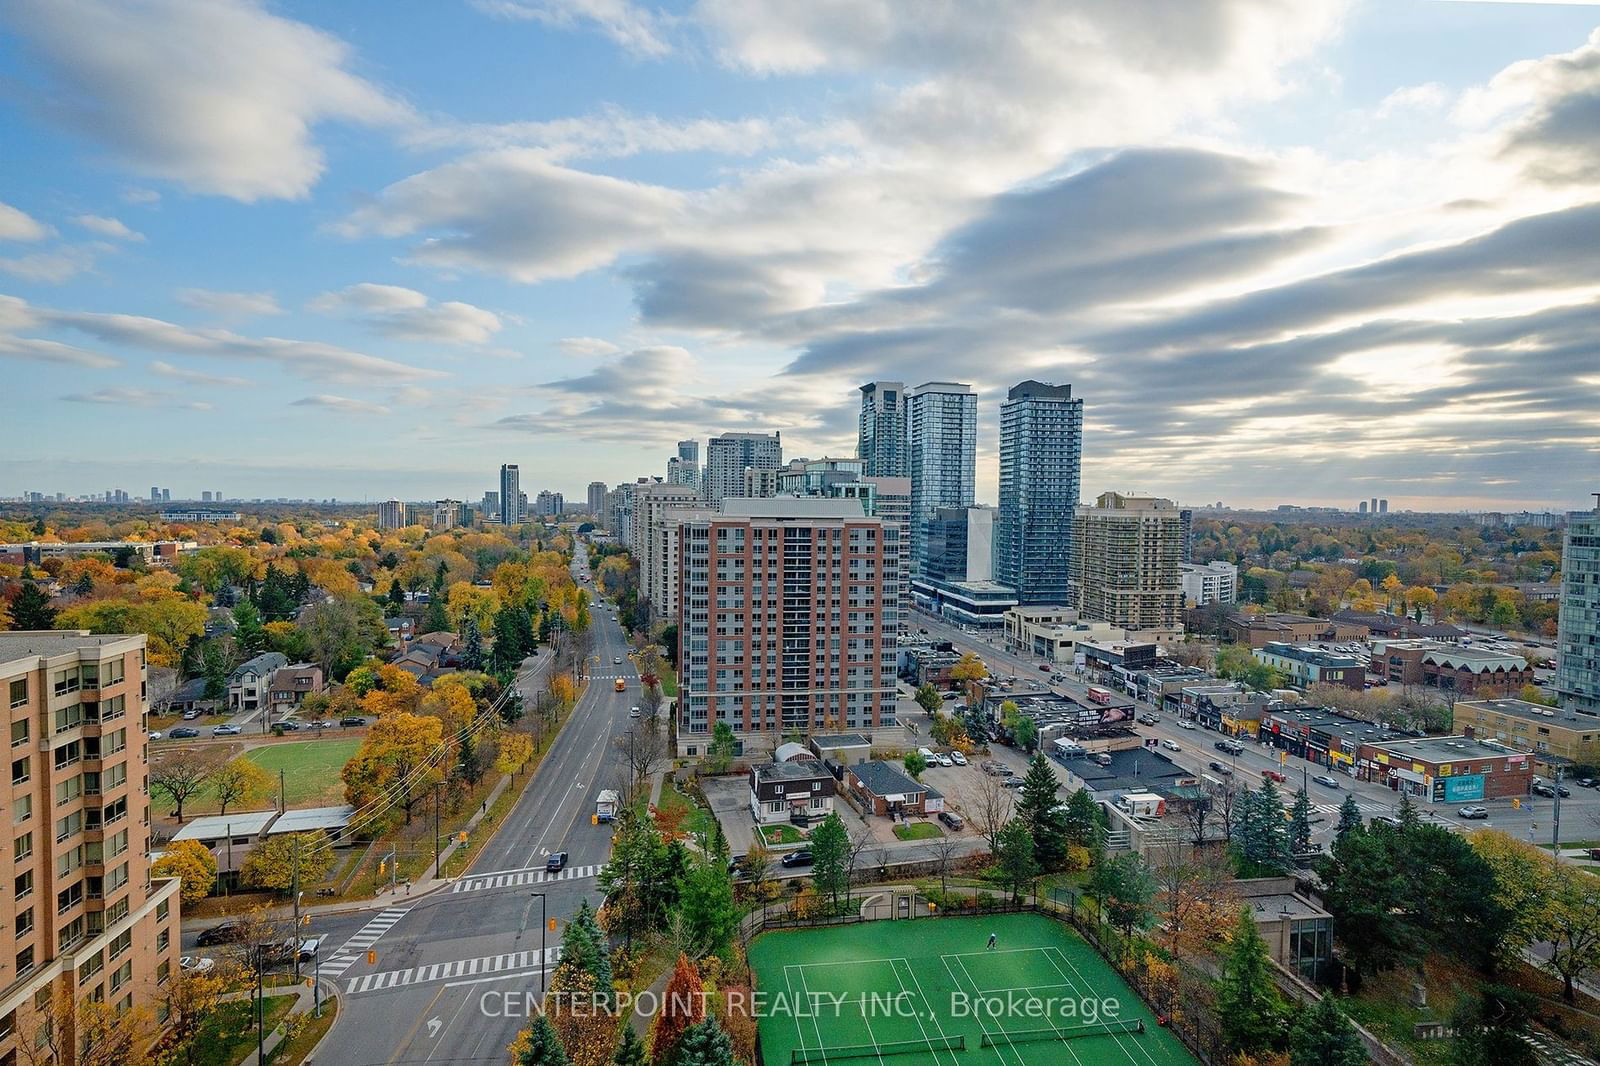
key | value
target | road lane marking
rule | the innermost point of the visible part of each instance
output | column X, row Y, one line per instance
column 345, row 956
column 459, row 968
column 532, row 875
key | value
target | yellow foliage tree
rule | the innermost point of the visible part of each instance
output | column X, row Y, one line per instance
column 400, row 759
column 514, row 752
column 239, row 781
column 191, row 862
column 468, row 600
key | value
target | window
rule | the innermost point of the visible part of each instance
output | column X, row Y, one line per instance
column 19, row 692
column 24, row 923
column 121, row 942
column 69, row 790
column 22, row 847
column 91, row 966
column 65, row 681
column 21, row 770
column 69, row 825
column 123, row 975
column 163, row 938
column 25, row 960
column 69, row 897
column 161, row 910
column 163, row 972
column 19, row 733
column 89, row 675
column 24, row 884
column 22, row 809
column 117, row 911
column 69, row 717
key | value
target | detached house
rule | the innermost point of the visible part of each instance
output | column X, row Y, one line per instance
column 292, row 684
column 797, row 791
column 250, row 684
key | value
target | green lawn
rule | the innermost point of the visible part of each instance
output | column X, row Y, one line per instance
column 696, row 819
column 310, row 776
column 229, row 1034
column 781, row 834
column 669, row 681
column 918, row 831
column 937, row 996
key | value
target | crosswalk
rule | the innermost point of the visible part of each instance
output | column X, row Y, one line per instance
column 346, row 955
column 506, row 963
column 532, row 875
column 626, row 675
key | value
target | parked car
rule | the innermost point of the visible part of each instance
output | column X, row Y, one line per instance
column 288, row 725
column 1012, row 782
column 949, row 695
column 182, row 732
column 350, row 721
column 1541, row 788
column 196, row 964
column 155, row 734
column 190, row 715
column 1171, row 745
column 1585, row 782
column 555, row 862
column 951, row 819
column 803, row 857
column 225, row 731
column 1221, row 768
column 944, row 759
column 1325, row 781
column 958, row 758
column 1473, row 811
column 226, row 933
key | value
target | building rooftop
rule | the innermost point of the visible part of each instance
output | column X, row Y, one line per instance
column 798, row 508
column 1282, row 905
column 840, row 740
column 1131, row 770
column 1475, row 658
column 50, row 643
column 795, row 770
column 1313, row 656
column 240, row 824
column 881, row 779
column 308, row 819
column 1535, row 712
column 1445, row 749
column 1323, row 720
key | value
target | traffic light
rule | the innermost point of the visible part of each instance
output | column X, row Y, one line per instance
column 372, row 958
column 305, row 919
column 552, row 925
column 383, row 867
column 1516, row 803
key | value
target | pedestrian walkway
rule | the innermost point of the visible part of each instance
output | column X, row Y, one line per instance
column 530, row 875
column 509, row 964
column 345, row 956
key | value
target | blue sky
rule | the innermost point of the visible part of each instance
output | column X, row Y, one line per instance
column 1287, row 250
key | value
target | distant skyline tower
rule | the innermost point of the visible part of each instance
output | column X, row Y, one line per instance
column 881, row 434
column 597, row 498
column 1578, row 634
column 1383, row 506
column 1041, row 447
column 942, row 442
column 510, row 494
column 728, row 455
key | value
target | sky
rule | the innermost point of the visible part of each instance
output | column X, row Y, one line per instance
column 1287, row 251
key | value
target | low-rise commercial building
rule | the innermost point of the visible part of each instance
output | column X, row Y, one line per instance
column 798, row 791
column 1449, row 668
column 1304, row 667
column 846, row 749
column 1320, row 736
column 1256, row 631
column 1225, row 706
column 1562, row 733
column 1052, row 633
column 1397, row 626
column 1447, row 769
column 980, row 604
column 888, row 791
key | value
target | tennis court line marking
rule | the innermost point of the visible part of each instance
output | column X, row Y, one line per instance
column 1052, row 957
column 799, row 1030
column 1056, row 1028
column 1025, row 988
column 800, row 967
column 931, row 1016
column 945, row 959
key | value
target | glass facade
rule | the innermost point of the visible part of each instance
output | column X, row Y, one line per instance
column 1578, row 645
column 942, row 428
column 1041, row 445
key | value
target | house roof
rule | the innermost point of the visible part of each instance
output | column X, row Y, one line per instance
column 306, row 819
column 881, row 779
column 824, row 741
column 240, row 824
column 799, row 770
column 262, row 665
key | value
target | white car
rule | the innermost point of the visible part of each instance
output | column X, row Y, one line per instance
column 943, row 759
column 1171, row 745
column 1186, row 724
column 958, row 758
column 155, row 734
column 196, row 964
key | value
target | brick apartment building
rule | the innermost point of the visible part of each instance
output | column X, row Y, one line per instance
column 1449, row 668
column 86, row 918
column 1563, row 733
column 787, row 613
column 1258, row 630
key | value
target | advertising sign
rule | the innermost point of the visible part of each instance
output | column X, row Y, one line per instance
column 1462, row 788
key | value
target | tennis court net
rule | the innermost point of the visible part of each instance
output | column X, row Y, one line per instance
column 1059, row 1032
column 801, row 1056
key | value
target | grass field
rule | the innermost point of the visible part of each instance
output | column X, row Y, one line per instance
column 310, row 776
column 918, row 831
column 938, row 997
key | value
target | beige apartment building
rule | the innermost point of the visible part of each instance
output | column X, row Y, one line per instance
column 1126, row 551
column 75, row 887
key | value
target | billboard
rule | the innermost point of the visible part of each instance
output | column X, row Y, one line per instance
column 1462, row 788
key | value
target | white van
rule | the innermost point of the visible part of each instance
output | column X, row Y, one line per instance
column 928, row 756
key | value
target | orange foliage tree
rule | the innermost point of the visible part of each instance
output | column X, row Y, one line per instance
column 682, row 1005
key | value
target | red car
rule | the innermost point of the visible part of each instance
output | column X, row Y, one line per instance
column 1273, row 775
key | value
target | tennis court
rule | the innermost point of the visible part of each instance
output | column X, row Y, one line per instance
column 929, row 992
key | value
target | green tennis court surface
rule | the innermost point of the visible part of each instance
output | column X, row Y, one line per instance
column 928, row 992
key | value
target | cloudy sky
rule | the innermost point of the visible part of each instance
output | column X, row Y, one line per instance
column 1286, row 250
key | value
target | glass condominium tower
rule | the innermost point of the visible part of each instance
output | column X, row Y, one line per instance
column 881, row 439
column 1041, row 446
column 1578, row 642
column 942, row 439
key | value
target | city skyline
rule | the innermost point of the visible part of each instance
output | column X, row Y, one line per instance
column 1338, row 246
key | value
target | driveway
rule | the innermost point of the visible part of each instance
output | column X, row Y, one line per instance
column 729, row 796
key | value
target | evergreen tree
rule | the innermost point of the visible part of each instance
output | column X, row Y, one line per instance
column 1014, row 855
column 1083, row 823
column 1262, row 836
column 1125, row 888
column 248, row 633
column 1406, row 811
column 1323, row 1036
column 706, row 904
column 38, row 527
column 300, row 587
column 630, row 1052
column 1037, row 806
column 216, row 671
column 830, row 850
column 584, row 947
column 510, row 637
column 397, row 594
column 472, row 645
column 441, row 580
column 31, row 609
column 435, row 619
column 84, row 586
column 1247, row 999
column 704, row 1044
column 1349, row 817
column 976, row 725
column 1300, row 824
column 718, row 844
column 1491, row 1028
column 542, row 1047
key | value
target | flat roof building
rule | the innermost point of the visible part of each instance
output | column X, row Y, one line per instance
column 1125, row 554
column 1303, row 667
column 1455, row 769
column 1563, row 733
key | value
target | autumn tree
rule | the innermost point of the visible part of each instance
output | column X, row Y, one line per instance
column 988, row 805
column 928, row 697
column 272, row 863
column 969, row 672
column 190, row 998
column 682, row 1008
column 513, row 752
column 539, row 1045
column 85, row 1032
column 1193, row 897
column 180, row 774
column 192, row 863
column 398, row 760
column 239, row 781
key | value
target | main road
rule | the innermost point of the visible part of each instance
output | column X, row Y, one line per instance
column 1580, row 812
column 455, row 969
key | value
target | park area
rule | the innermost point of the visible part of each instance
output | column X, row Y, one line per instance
column 310, row 776
column 943, row 997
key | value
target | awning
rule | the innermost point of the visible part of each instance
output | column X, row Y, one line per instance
column 896, row 798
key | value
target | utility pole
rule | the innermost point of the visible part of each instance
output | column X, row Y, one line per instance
column 295, row 860
column 436, row 871
column 283, row 793
column 1555, row 815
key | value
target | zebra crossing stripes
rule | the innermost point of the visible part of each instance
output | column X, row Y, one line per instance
column 533, row 875
column 508, row 963
column 365, row 937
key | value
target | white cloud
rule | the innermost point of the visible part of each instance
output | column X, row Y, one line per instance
column 16, row 225
column 587, row 346
column 131, row 396
column 46, row 351
column 107, row 227
column 221, row 96
column 197, row 377
column 60, row 264
column 230, row 305
column 406, row 314
column 343, row 404
column 140, row 196
column 635, row 28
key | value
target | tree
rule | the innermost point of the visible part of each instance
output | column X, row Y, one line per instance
column 249, row 635
column 86, row 1032
column 396, row 595
column 583, row 947
column 969, row 672
column 398, row 761
column 1039, row 808
column 1300, row 824
column 1349, row 817
column 988, row 805
column 1323, row 1036
column 1014, row 856
column 193, row 864
column 272, row 864
column 31, row 609
column 1025, row 731
column 189, row 999
column 682, row 1008
column 1125, row 889
column 435, row 619
column 706, row 902
column 642, row 750
column 1193, row 896
column 928, row 697
column 472, row 657
column 1248, row 1004
column 538, row 1045
column 1492, row 1027
column 343, row 632
column 1262, row 837
column 1083, row 823
column 719, row 754
column 915, row 764
column 631, row 1051
column 704, row 1044
column 215, row 667
column 513, row 752
column 239, row 781
column 830, row 851
column 1526, row 880
column 1573, row 932
column 975, row 723
column 180, row 775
